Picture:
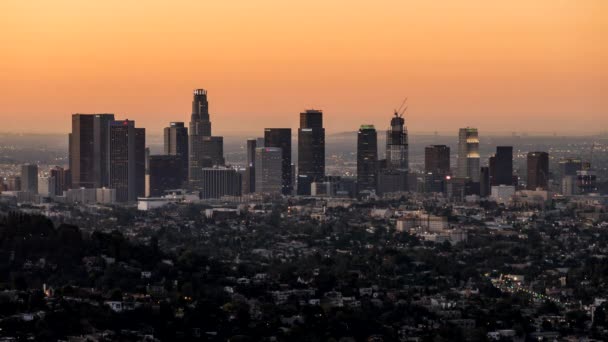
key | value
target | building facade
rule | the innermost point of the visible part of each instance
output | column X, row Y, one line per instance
column 367, row 158
column 88, row 150
column 269, row 169
column 281, row 138
column 311, row 150
column 397, row 153
column 165, row 172
column 219, row 182
column 538, row 170
column 126, row 160
column 468, row 154
column 29, row 178
column 176, row 144
column 204, row 149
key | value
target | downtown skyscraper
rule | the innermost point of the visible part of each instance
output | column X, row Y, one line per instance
column 367, row 158
column 88, row 150
column 176, row 144
column 501, row 166
column 281, row 138
column 397, row 144
column 468, row 154
column 311, row 150
column 538, row 170
column 204, row 150
column 126, row 160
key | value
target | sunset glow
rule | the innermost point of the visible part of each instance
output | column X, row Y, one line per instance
column 488, row 64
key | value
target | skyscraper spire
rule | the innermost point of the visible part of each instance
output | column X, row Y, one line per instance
column 199, row 121
column 204, row 150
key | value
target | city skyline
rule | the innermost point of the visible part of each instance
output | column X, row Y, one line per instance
column 487, row 65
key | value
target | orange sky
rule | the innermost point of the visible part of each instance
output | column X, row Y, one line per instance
column 516, row 65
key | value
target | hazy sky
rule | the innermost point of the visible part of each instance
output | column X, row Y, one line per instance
column 512, row 65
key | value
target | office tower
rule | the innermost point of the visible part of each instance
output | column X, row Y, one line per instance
column 397, row 145
column 468, row 154
column 269, row 170
column 568, row 170
column 249, row 175
column 437, row 159
column 311, row 150
column 281, row 138
column 501, row 166
column 367, row 158
column 100, row 150
column 213, row 151
column 569, row 166
column 62, row 179
column 141, row 161
column 126, row 160
column 81, row 151
column 220, row 181
column 492, row 169
column 176, row 144
column 47, row 186
column 538, row 170
column 199, row 123
column 165, row 172
column 436, row 167
column 485, row 188
column 29, row 178
column 88, row 150
column 204, row 150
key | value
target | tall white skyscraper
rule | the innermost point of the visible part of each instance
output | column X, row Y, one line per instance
column 468, row 154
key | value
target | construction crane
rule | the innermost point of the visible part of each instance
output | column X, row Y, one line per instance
column 399, row 112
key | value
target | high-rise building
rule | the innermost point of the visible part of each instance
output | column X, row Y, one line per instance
column 569, row 166
column 436, row 167
column 468, row 154
column 437, row 159
column 165, row 172
column 569, row 169
column 269, row 170
column 62, row 179
column 141, row 161
column 501, row 166
column 281, row 138
column 204, row 150
column 88, row 150
column 367, row 158
column 29, row 178
column 485, row 185
column 249, row 175
column 176, row 144
column 397, row 144
column 219, row 182
column 311, row 150
column 199, row 122
column 538, row 170
column 47, row 186
column 126, row 160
